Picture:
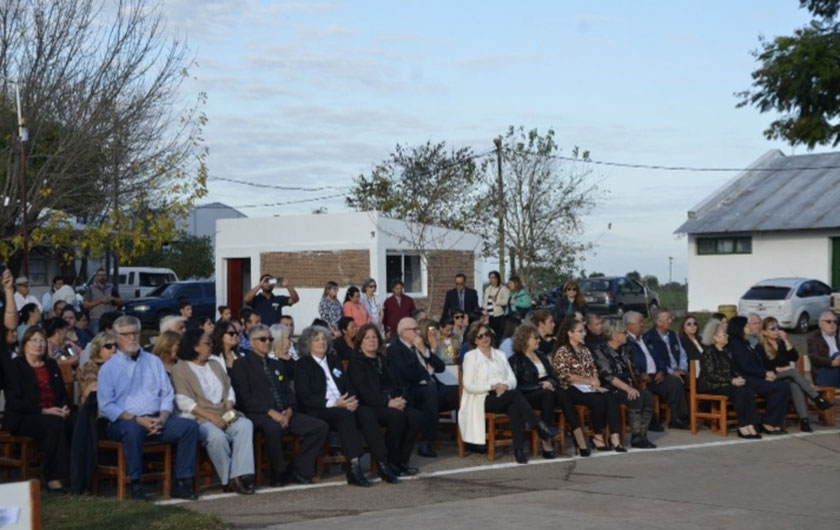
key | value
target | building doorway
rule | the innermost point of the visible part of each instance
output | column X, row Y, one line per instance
column 238, row 283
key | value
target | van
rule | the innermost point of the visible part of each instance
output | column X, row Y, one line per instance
column 137, row 282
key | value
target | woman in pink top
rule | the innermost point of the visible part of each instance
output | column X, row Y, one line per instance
column 353, row 307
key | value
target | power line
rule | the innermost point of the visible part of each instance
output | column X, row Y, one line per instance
column 266, row 205
column 684, row 168
column 276, row 187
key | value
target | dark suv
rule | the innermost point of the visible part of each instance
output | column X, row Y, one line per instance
column 164, row 300
column 617, row 294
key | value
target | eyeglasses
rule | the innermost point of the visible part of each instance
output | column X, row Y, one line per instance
column 692, row 324
column 829, row 321
column 412, row 329
column 37, row 342
column 571, row 289
column 264, row 339
column 231, row 333
column 773, row 328
column 109, row 345
column 484, row 335
column 459, row 317
column 129, row 334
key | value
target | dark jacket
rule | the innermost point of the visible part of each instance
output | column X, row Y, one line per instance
column 83, row 453
column 375, row 380
column 613, row 364
column 689, row 347
column 818, row 351
column 252, row 385
column 22, row 391
column 638, row 356
column 547, row 346
column 450, row 303
column 527, row 376
column 748, row 362
column 311, row 383
column 404, row 360
column 659, row 350
column 717, row 369
column 563, row 308
column 782, row 359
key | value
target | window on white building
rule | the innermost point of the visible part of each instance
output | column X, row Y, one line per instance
column 724, row 245
column 408, row 268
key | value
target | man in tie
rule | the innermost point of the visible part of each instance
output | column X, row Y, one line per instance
column 461, row 297
column 417, row 366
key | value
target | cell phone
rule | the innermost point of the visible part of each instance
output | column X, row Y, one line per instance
column 273, row 281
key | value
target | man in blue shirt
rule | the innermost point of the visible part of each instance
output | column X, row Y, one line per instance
column 136, row 397
column 267, row 304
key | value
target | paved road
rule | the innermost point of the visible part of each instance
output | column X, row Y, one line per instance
column 700, row 481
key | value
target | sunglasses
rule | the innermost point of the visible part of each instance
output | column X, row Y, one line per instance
column 109, row 345
column 571, row 289
column 264, row 339
column 231, row 333
column 773, row 328
column 459, row 317
column 829, row 321
column 692, row 324
column 484, row 335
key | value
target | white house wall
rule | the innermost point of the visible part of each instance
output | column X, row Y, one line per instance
column 722, row 279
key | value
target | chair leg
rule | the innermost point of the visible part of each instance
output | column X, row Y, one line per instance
column 491, row 439
column 723, row 415
column 258, row 450
column 121, row 475
column 167, row 474
column 462, row 451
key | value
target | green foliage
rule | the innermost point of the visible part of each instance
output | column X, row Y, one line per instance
column 597, row 275
column 799, row 77
column 634, row 275
column 72, row 512
column 189, row 256
column 651, row 281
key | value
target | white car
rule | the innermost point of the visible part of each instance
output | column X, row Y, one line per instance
column 796, row 303
column 137, row 282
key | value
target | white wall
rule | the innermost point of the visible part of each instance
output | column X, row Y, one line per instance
column 722, row 279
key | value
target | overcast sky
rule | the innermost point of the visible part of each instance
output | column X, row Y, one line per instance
column 314, row 93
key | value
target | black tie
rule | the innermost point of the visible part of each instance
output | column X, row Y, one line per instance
column 278, row 401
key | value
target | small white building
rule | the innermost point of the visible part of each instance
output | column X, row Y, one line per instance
column 778, row 218
column 310, row 250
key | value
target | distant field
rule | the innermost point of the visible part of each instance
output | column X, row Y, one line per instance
column 674, row 300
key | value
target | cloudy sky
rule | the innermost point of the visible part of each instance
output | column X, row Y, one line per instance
column 311, row 94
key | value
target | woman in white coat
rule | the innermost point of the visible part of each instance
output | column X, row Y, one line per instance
column 490, row 386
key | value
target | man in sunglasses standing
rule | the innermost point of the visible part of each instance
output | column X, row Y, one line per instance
column 264, row 394
column 460, row 298
column 824, row 352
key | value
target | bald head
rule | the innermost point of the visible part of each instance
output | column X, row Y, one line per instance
column 828, row 323
column 406, row 324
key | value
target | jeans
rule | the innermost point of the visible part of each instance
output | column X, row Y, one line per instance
column 231, row 450
column 180, row 431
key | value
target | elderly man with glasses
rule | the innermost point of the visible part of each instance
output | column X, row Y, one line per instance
column 136, row 397
column 824, row 352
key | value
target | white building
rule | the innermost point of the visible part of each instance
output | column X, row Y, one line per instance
column 347, row 248
column 778, row 218
column 201, row 220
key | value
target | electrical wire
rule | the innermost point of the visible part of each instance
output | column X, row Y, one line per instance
column 283, row 203
column 276, row 187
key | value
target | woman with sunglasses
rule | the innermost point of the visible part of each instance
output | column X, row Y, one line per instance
column 102, row 348
column 690, row 338
column 780, row 357
column 372, row 305
column 490, row 386
column 496, row 299
column 571, row 302
column 225, row 344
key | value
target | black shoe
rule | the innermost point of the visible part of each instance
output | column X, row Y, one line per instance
column 182, row 490
column 678, row 424
column 293, row 475
column 620, row 449
column 426, row 450
column 582, row 451
column 605, row 447
column 545, row 432
column 822, row 404
column 356, row 475
column 777, row 432
column 549, row 455
column 749, row 436
column 240, row 486
column 403, row 469
column 385, row 472
column 637, row 441
column 137, row 491
column 520, row 456
column 805, row 425
column 655, row 426
column 650, row 445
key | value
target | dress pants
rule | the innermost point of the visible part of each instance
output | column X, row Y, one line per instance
column 179, row 431
column 431, row 399
column 828, row 376
column 743, row 400
column 401, row 428
column 800, row 388
column 640, row 410
column 672, row 390
column 514, row 404
column 776, row 393
column 547, row 401
column 603, row 408
column 311, row 431
column 231, row 450
column 54, row 433
column 343, row 422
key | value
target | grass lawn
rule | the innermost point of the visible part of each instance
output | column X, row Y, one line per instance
column 71, row 512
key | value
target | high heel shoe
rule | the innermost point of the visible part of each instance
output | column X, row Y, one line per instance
column 603, row 447
column 619, row 449
column 822, row 404
column 580, row 450
column 546, row 432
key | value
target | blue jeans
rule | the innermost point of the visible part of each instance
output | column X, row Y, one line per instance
column 180, row 431
column 828, row 377
column 231, row 450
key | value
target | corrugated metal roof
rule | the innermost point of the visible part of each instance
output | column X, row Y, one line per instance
column 794, row 196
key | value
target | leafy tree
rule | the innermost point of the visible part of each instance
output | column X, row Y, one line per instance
column 597, row 275
column 189, row 256
column 799, row 77
column 651, row 281
column 634, row 275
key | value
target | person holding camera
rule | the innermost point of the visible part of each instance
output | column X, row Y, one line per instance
column 267, row 304
column 203, row 392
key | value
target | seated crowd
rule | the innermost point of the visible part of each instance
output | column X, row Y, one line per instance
column 370, row 377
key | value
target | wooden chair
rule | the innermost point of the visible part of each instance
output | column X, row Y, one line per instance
column 497, row 433
column 157, row 470
column 204, row 470
column 828, row 393
column 18, row 453
column 67, row 375
column 291, row 445
column 718, row 405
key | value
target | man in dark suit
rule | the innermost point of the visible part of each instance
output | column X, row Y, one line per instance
column 824, row 352
column 461, row 297
column 264, row 395
column 324, row 391
column 416, row 365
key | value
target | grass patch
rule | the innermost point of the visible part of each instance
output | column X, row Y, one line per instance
column 676, row 300
column 71, row 512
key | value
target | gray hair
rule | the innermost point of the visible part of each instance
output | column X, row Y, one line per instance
column 592, row 317
column 256, row 329
column 367, row 283
column 168, row 322
column 709, row 330
column 279, row 332
column 631, row 316
column 751, row 315
column 304, row 346
column 612, row 327
column 126, row 321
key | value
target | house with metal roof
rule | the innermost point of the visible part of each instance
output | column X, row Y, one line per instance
column 780, row 217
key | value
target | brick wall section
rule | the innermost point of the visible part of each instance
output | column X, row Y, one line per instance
column 443, row 265
column 315, row 269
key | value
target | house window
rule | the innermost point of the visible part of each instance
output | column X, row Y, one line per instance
column 405, row 267
column 724, row 245
column 38, row 271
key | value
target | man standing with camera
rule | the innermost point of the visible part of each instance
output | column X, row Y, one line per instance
column 267, row 304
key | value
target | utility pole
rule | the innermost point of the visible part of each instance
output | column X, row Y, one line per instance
column 670, row 268
column 115, row 281
column 501, row 208
column 23, row 135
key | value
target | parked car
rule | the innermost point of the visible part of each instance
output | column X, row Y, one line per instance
column 616, row 294
column 165, row 298
column 136, row 282
column 796, row 303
